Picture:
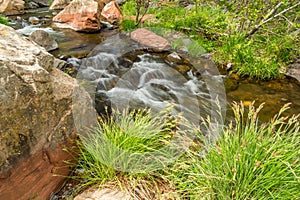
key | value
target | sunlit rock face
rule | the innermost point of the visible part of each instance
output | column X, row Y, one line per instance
column 59, row 4
column 81, row 15
column 36, row 118
column 11, row 7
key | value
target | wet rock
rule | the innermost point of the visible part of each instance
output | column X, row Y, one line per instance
column 81, row 15
column 103, row 194
column 11, row 7
column 31, row 5
column 36, row 118
column 59, row 4
column 230, row 84
column 183, row 69
column 43, row 39
column 150, row 39
column 173, row 58
column 42, row 3
column 33, row 20
column 112, row 12
column 294, row 70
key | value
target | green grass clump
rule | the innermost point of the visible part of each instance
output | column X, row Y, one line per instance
column 249, row 161
column 128, row 142
column 3, row 20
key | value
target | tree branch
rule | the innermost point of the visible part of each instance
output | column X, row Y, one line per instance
column 269, row 17
column 264, row 20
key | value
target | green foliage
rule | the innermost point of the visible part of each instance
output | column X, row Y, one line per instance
column 3, row 20
column 249, row 161
column 128, row 8
column 128, row 25
column 253, row 37
column 120, row 142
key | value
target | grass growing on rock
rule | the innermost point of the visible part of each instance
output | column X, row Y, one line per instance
column 258, row 39
column 249, row 161
column 3, row 20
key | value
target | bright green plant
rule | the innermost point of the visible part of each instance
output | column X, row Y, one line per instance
column 249, row 161
column 3, row 20
column 117, row 144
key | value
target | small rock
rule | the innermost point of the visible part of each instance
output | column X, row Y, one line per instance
column 150, row 39
column 43, row 39
column 294, row 70
column 33, row 20
column 173, row 58
column 32, row 5
column 103, row 194
column 112, row 12
column 189, row 7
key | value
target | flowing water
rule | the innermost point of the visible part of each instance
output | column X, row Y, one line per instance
column 119, row 74
column 145, row 79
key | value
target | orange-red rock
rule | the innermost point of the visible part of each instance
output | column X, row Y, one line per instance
column 81, row 15
column 112, row 12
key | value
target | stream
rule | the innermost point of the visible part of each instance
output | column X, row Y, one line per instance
column 120, row 73
column 85, row 51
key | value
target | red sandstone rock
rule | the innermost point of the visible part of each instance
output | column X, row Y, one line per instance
column 81, row 15
column 150, row 39
column 112, row 12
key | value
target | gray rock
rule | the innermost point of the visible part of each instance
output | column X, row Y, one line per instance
column 43, row 39
column 42, row 3
column 32, row 5
column 294, row 70
column 103, row 194
column 33, row 20
column 36, row 118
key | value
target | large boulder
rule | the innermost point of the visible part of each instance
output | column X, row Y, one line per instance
column 81, row 15
column 59, row 4
column 11, row 7
column 36, row 118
